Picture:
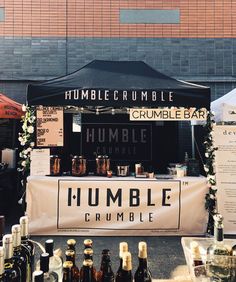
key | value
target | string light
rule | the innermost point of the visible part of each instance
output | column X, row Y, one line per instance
column 97, row 111
column 112, row 111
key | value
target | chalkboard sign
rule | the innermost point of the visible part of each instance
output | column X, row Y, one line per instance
column 193, row 168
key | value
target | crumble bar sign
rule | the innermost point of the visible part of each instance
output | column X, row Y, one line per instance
column 118, row 141
column 148, row 205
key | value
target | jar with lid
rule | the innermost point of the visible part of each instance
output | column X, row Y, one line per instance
column 102, row 165
column 79, row 166
column 55, row 165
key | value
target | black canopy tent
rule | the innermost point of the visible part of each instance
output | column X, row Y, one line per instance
column 118, row 84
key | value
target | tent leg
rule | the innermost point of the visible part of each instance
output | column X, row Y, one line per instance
column 193, row 147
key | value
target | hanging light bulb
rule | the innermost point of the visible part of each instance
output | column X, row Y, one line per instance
column 97, row 111
column 112, row 111
column 82, row 109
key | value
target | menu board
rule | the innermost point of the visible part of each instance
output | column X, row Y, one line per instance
column 50, row 129
column 225, row 163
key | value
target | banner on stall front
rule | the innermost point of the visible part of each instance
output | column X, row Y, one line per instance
column 49, row 131
column 225, row 163
column 168, row 114
column 98, row 206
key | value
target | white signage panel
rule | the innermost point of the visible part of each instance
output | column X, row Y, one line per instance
column 40, row 162
column 167, row 114
column 116, row 206
column 225, row 162
column 49, row 130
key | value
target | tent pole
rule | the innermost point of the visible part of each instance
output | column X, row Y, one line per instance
column 193, row 147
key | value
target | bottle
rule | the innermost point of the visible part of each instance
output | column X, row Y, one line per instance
column 2, row 227
column 123, row 247
column 70, row 256
column 88, row 253
column 88, row 243
column 44, row 266
column 21, row 255
column 195, row 252
column 105, row 273
column 87, row 273
column 2, row 279
column 218, row 260
column 12, row 270
column 55, row 262
column 143, row 272
column 71, row 244
column 67, row 272
column 37, row 276
column 126, row 273
column 25, row 239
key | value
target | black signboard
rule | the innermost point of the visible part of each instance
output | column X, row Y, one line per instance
column 120, row 141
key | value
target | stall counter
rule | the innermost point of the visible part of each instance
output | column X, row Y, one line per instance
column 117, row 206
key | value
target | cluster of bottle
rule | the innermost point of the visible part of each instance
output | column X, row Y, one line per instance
column 17, row 254
column 220, row 264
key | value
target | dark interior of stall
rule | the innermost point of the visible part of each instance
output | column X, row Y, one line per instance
column 154, row 144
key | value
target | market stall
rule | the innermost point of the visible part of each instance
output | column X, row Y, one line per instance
column 102, row 90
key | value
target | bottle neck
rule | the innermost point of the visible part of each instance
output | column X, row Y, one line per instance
column 142, row 262
column 218, row 234
column 87, row 274
column 1, row 265
column 8, row 251
column 71, row 258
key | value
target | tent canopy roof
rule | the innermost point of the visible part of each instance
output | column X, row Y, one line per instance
column 10, row 109
column 107, row 82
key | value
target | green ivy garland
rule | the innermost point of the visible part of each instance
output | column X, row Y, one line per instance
column 209, row 166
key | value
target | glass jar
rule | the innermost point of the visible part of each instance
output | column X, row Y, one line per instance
column 55, row 165
column 102, row 165
column 79, row 166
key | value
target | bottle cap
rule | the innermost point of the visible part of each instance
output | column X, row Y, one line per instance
column 24, row 224
column 67, row 264
column 38, row 276
column 123, row 247
column 7, row 245
column 44, row 262
column 106, row 252
column 127, row 261
column 49, row 245
column 88, row 242
column 142, row 248
column 15, row 230
column 88, row 262
column 71, row 242
column 70, row 253
column 88, row 251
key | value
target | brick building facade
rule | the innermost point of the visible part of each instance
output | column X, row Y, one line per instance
column 194, row 40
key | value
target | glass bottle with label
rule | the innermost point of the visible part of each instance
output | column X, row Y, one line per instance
column 21, row 255
column 123, row 247
column 12, row 270
column 142, row 273
column 37, row 276
column 70, row 256
column 55, row 262
column 48, row 275
column 67, row 272
column 87, row 273
column 2, row 227
column 218, row 260
column 105, row 274
column 25, row 239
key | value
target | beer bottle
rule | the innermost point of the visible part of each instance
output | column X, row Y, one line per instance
column 70, row 256
column 88, row 253
column 106, row 273
column 71, row 243
column 67, row 273
column 142, row 273
column 126, row 273
column 87, row 274
column 88, row 243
